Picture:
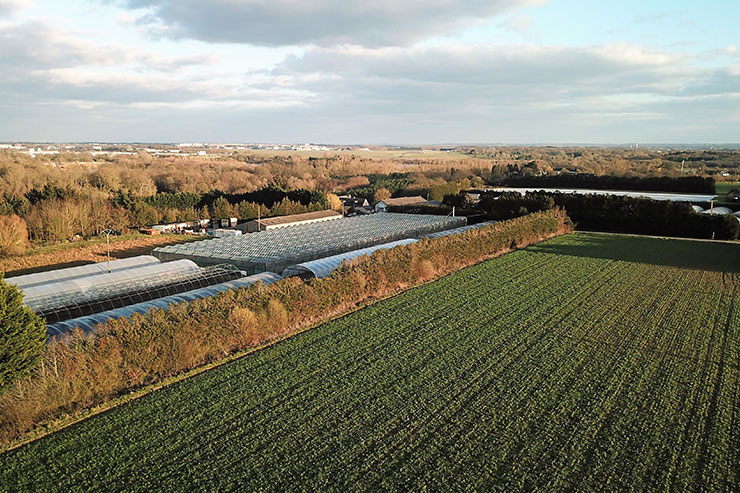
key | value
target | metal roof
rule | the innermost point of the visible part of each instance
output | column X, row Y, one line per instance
column 416, row 199
column 295, row 218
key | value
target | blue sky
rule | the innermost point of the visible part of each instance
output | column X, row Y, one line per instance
column 388, row 71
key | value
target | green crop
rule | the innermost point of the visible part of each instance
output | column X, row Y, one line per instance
column 584, row 363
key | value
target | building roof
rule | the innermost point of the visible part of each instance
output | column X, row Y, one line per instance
column 294, row 218
column 404, row 200
column 353, row 201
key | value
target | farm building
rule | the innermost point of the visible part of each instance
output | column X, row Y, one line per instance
column 271, row 223
column 274, row 250
column 382, row 205
column 349, row 202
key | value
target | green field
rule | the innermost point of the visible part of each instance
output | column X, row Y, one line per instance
column 722, row 187
column 588, row 362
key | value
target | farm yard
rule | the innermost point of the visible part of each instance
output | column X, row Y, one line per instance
column 585, row 362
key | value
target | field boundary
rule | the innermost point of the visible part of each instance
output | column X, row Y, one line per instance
column 657, row 237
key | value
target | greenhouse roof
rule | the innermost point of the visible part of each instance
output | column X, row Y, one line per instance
column 88, row 323
column 324, row 267
column 274, row 250
column 29, row 280
column 44, row 297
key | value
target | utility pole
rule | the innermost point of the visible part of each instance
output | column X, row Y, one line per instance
column 107, row 233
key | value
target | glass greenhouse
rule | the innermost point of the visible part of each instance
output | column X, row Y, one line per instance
column 323, row 267
column 88, row 323
column 46, row 297
column 29, row 280
column 274, row 251
column 139, row 292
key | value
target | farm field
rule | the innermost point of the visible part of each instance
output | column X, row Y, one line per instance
column 587, row 362
column 722, row 187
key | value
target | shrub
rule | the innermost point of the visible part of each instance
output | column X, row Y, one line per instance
column 22, row 336
column 13, row 235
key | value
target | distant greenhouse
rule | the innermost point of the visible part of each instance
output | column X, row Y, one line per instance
column 274, row 251
column 324, row 267
column 29, row 280
column 88, row 323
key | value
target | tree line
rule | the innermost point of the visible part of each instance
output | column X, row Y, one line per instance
column 55, row 214
column 682, row 184
column 617, row 214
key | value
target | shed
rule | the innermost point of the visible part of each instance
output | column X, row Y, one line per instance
column 382, row 205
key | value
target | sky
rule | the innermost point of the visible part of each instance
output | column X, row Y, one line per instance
column 380, row 72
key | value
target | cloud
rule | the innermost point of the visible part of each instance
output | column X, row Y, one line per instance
column 9, row 7
column 519, row 23
column 319, row 22
column 495, row 69
column 352, row 93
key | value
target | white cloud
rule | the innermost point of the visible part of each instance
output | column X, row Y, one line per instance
column 320, row 22
column 10, row 7
column 354, row 92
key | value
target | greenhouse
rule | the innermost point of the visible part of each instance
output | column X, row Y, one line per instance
column 324, row 267
column 139, row 292
column 44, row 298
column 458, row 230
column 718, row 211
column 88, row 323
column 29, row 280
column 274, row 251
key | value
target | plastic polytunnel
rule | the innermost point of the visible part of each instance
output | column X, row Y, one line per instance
column 718, row 211
column 44, row 297
column 29, row 280
column 697, row 208
column 88, row 323
column 323, row 267
column 455, row 231
column 167, row 286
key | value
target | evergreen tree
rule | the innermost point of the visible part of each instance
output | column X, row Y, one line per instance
column 22, row 336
